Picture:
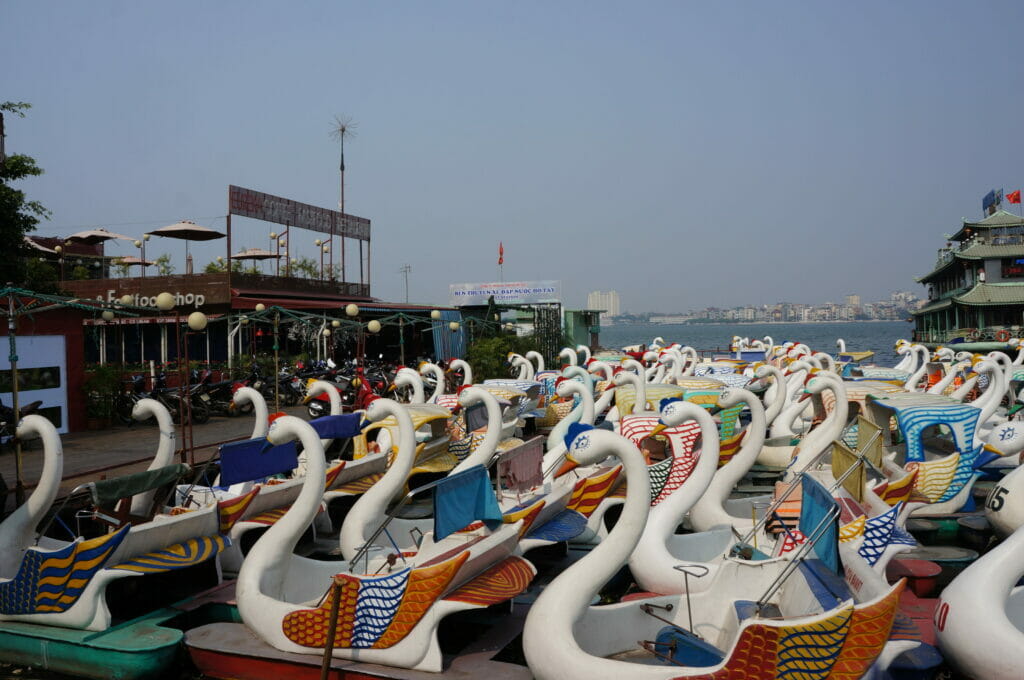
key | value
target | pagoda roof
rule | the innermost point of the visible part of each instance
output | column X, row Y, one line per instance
column 981, row 294
column 933, row 306
column 975, row 251
column 999, row 218
column 993, row 294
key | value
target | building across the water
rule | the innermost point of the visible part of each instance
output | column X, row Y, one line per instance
column 976, row 291
column 605, row 301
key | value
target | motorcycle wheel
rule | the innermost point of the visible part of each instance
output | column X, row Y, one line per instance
column 314, row 411
column 200, row 414
column 289, row 398
column 123, row 406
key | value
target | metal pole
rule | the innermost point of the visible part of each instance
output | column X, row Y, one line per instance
column 401, row 340
column 19, row 489
column 277, row 368
column 332, row 629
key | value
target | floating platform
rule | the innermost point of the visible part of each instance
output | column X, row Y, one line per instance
column 232, row 651
column 140, row 649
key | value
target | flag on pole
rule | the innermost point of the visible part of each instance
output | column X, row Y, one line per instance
column 501, row 253
column 1013, row 196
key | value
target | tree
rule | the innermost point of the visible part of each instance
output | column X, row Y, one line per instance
column 306, row 267
column 121, row 267
column 18, row 215
column 163, row 265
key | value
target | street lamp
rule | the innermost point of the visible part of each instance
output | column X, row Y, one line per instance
column 197, row 322
column 60, row 257
column 141, row 245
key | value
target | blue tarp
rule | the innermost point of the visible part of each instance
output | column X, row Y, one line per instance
column 463, row 498
column 344, row 426
column 255, row 459
column 816, row 505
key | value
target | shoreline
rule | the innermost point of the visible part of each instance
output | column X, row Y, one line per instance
column 755, row 323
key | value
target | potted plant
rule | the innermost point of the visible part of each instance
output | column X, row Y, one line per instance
column 101, row 387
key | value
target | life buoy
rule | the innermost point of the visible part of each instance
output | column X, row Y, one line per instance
column 972, row 334
column 1003, row 335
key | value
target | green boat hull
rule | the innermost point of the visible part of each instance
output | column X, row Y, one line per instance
column 139, row 649
column 143, row 648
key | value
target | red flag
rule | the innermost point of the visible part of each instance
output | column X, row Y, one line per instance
column 1013, row 196
column 501, row 250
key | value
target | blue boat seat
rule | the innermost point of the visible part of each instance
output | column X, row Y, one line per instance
column 746, row 609
column 686, row 649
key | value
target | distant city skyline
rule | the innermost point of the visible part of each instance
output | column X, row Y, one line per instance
column 901, row 299
column 682, row 154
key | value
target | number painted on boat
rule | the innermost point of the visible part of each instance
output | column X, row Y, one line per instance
column 996, row 498
column 940, row 616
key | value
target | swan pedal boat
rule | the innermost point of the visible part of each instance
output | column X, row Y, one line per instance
column 390, row 606
column 56, row 595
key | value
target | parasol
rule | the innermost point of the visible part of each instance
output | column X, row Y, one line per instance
column 188, row 230
column 132, row 260
column 93, row 236
column 254, row 254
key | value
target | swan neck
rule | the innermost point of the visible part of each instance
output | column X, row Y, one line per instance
column 372, row 505
column 261, row 571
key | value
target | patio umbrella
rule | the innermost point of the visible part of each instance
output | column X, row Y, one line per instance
column 254, row 254
column 93, row 236
column 132, row 260
column 38, row 246
column 187, row 230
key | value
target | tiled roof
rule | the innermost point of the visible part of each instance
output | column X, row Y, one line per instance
column 1000, row 218
column 993, row 294
column 933, row 307
column 978, row 251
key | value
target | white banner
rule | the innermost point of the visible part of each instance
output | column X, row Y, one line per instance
column 509, row 293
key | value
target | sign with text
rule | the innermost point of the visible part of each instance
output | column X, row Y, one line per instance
column 505, row 293
column 270, row 208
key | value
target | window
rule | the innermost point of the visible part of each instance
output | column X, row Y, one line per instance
column 1013, row 267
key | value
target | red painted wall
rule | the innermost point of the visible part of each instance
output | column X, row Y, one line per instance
column 66, row 322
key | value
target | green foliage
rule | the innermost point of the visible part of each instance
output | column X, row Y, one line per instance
column 488, row 356
column 219, row 266
column 101, row 385
column 163, row 265
column 79, row 273
column 306, row 267
column 18, row 215
column 122, row 268
column 41, row 276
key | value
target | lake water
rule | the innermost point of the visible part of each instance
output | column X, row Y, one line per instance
column 876, row 336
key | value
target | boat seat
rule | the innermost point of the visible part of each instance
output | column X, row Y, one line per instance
column 112, row 498
column 746, row 609
column 686, row 649
column 827, row 586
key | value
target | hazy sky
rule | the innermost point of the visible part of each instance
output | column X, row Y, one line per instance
column 685, row 154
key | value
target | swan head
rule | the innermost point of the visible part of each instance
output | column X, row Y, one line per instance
column 470, row 395
column 676, row 412
column 289, row 428
column 567, row 387
column 818, row 381
column 581, row 449
column 735, row 395
column 315, row 389
column 381, row 408
column 624, row 377
column 242, row 396
column 146, row 408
